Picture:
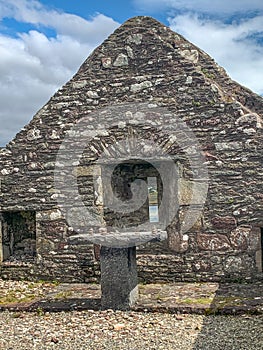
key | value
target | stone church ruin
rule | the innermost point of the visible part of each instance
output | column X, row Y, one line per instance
column 144, row 83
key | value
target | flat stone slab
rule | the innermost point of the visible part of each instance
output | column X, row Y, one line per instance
column 195, row 298
column 118, row 240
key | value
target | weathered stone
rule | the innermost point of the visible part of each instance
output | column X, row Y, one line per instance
column 189, row 80
column 213, row 242
column 92, row 94
column 250, row 118
column 193, row 216
column 226, row 146
column 106, row 62
column 5, row 172
column 121, row 60
column 239, row 238
column 129, row 51
column 190, row 192
column 117, row 239
column 141, row 86
column 91, row 170
column 45, row 246
column 233, row 264
column 191, row 55
column 250, row 131
column 135, row 39
column 54, row 135
column 55, row 214
column 119, row 280
column 79, row 84
column 177, row 242
column 32, row 190
column 33, row 134
column 225, row 222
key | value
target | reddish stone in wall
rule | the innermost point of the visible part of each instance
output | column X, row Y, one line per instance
column 55, row 228
column 224, row 222
column 213, row 242
column 239, row 238
column 177, row 242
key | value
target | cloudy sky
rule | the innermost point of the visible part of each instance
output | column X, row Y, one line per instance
column 43, row 43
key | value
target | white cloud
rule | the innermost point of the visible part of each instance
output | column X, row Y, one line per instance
column 203, row 6
column 232, row 45
column 33, row 12
column 227, row 30
column 33, row 66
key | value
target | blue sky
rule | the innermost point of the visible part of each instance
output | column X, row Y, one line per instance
column 43, row 43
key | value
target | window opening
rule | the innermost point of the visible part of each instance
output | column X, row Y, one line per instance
column 19, row 236
column 153, row 199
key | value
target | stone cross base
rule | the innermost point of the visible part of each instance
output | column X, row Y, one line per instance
column 119, row 280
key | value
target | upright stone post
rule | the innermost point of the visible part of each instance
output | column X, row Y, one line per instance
column 119, row 279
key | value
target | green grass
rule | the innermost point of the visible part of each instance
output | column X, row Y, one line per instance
column 63, row 295
column 12, row 297
column 203, row 301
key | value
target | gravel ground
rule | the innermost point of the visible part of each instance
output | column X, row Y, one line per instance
column 128, row 330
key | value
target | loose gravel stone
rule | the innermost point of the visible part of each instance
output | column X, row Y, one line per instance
column 100, row 330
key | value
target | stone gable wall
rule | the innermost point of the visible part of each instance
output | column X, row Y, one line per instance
column 145, row 62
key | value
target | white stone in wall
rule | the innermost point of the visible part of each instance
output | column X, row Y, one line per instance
column 5, row 172
column 121, row 125
column 141, row 86
column 190, row 55
column 54, row 196
column 102, row 133
column 32, row 190
column 214, row 88
column 189, row 80
column 54, row 135
column 55, row 214
column 32, row 166
column 225, row 146
column 33, row 134
column 135, row 39
column 79, row 84
column 106, row 62
column 129, row 51
column 92, row 94
column 249, row 131
column 121, row 60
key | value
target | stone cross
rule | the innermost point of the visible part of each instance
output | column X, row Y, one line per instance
column 119, row 278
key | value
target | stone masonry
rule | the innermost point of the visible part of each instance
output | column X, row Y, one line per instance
column 143, row 63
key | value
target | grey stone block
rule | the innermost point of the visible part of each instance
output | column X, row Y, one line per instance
column 119, row 281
